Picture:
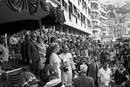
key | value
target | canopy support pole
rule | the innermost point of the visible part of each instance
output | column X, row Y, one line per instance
column 40, row 26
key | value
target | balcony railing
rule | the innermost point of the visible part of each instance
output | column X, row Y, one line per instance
column 94, row 8
column 95, row 18
column 94, row 0
column 96, row 26
column 94, row 5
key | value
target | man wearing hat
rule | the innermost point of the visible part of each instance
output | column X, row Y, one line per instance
column 83, row 80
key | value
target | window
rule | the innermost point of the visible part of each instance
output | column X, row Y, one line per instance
column 88, row 23
column 70, row 10
column 94, row 6
column 79, row 1
column 75, row 10
column 70, row 7
column 94, row 15
column 78, row 14
column 64, row 4
column 103, row 14
column 76, row 20
column 84, row 19
column 86, row 9
column 95, row 23
column 83, row 5
column 81, row 18
column 69, row 15
column 89, row 11
column 85, row 22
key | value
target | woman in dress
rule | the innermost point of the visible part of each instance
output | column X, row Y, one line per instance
column 55, row 60
column 42, row 52
column 67, row 66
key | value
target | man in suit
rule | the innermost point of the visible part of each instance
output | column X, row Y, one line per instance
column 92, row 71
column 33, row 54
column 83, row 80
column 24, row 44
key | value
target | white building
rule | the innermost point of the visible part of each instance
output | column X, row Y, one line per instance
column 127, row 24
column 95, row 16
column 104, row 21
column 77, row 14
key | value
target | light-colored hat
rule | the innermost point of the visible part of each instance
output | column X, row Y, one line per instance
column 83, row 68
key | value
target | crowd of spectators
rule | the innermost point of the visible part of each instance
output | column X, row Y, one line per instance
column 60, row 59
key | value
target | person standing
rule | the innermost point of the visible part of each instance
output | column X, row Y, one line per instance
column 83, row 80
column 49, row 50
column 93, row 71
column 25, row 58
column 104, row 76
column 42, row 52
column 127, row 83
column 67, row 66
column 33, row 54
column 120, row 76
column 4, row 52
column 55, row 60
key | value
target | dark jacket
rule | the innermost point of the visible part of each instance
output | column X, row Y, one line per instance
column 92, row 71
column 127, row 84
column 32, row 52
column 25, row 58
column 83, row 81
column 119, row 77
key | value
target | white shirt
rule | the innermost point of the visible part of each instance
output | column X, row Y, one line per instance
column 104, row 76
column 68, row 59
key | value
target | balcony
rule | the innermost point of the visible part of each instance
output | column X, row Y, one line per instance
column 94, row 5
column 96, row 26
column 103, row 15
column 96, row 11
column 96, row 29
column 95, row 14
column 94, row 1
column 96, row 22
column 95, row 17
column 103, row 18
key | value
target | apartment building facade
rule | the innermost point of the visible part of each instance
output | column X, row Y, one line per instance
column 95, row 17
column 104, row 21
column 77, row 15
